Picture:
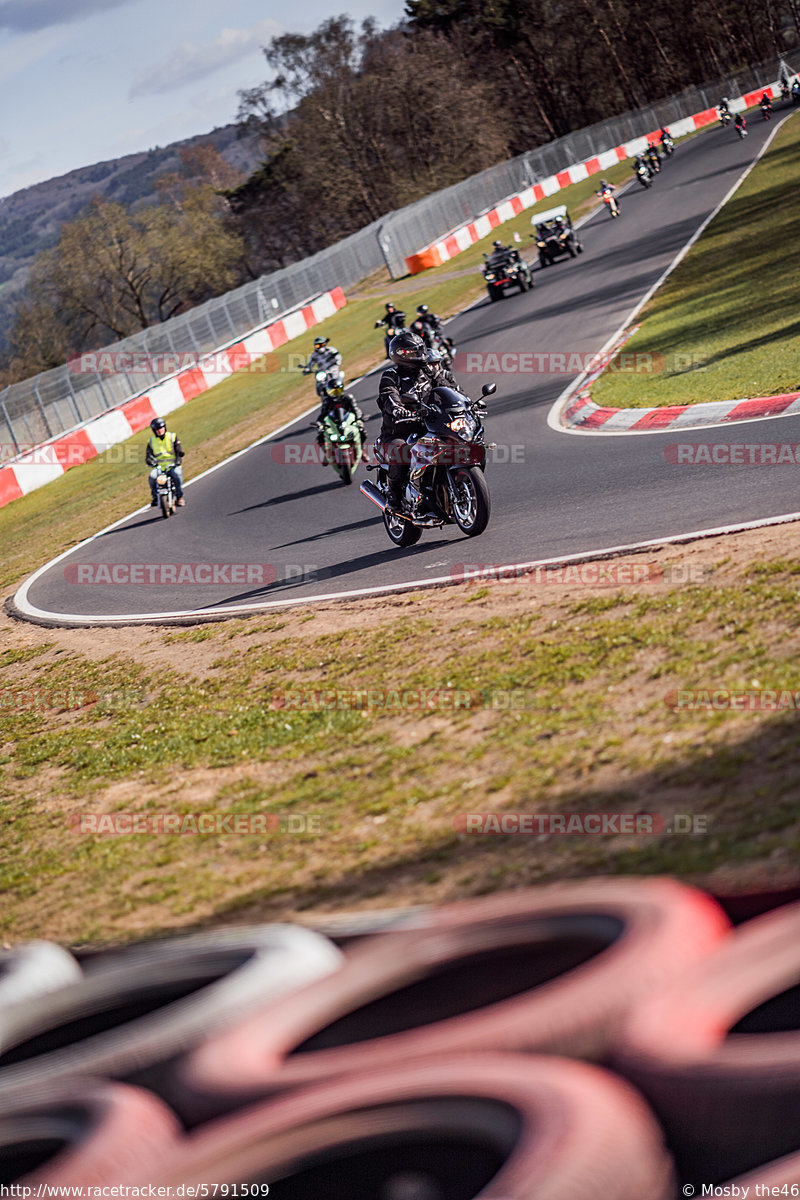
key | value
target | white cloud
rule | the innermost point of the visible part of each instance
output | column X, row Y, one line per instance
column 190, row 62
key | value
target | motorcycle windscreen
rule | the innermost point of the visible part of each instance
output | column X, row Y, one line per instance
column 449, row 400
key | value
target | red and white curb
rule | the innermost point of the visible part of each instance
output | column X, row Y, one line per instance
column 574, row 411
column 50, row 460
column 436, row 253
column 584, row 414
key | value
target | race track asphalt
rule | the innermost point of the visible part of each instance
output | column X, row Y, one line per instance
column 553, row 494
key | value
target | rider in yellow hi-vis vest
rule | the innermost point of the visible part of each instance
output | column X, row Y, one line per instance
column 164, row 453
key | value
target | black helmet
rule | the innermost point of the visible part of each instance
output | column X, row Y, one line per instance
column 389, row 306
column 319, row 342
column 157, row 424
column 408, row 348
column 422, row 308
column 498, row 245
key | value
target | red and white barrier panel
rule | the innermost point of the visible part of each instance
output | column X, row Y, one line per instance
column 460, row 239
column 48, row 461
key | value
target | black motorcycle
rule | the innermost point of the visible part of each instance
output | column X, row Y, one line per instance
column 446, row 484
column 667, row 146
column 642, row 175
column 443, row 347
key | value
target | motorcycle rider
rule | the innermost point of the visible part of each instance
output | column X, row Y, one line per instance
column 740, row 123
column 608, row 189
column 652, row 156
column 666, row 139
column 334, row 396
column 724, row 111
column 429, row 327
column 324, row 357
column 766, row 104
column 796, row 91
column 404, row 387
column 393, row 322
column 164, row 453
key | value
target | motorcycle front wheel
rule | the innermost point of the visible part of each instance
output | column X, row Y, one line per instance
column 166, row 509
column 402, row 533
column 471, row 504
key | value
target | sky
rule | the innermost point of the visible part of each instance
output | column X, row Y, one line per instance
column 86, row 80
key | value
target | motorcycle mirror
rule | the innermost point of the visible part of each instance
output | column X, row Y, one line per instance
column 488, row 389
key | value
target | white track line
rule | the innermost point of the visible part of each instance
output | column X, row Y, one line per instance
column 195, row 616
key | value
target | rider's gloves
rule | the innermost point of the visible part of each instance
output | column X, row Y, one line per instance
column 402, row 414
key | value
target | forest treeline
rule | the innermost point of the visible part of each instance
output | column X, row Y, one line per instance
column 355, row 121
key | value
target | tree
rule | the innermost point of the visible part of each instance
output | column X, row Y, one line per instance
column 355, row 124
column 114, row 272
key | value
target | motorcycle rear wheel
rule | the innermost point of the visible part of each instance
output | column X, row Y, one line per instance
column 472, row 506
column 401, row 532
column 166, row 510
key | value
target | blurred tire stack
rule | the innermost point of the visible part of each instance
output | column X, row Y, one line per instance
column 615, row 1038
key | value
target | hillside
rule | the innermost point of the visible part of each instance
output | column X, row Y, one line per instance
column 30, row 219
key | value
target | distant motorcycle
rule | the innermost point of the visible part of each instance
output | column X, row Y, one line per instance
column 766, row 109
column 642, row 175
column 724, row 117
column 741, row 128
column 442, row 346
column 342, row 442
column 165, row 492
column 610, row 199
column 667, row 145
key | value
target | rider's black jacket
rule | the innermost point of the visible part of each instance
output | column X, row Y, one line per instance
column 401, row 388
column 392, row 320
column 346, row 400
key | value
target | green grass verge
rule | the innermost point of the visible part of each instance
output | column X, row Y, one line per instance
column 724, row 325
column 588, row 730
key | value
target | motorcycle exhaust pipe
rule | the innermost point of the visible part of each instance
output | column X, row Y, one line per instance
column 373, row 493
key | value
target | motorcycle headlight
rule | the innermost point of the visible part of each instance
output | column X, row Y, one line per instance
column 540, row 243
column 489, row 275
column 464, row 425
column 161, row 480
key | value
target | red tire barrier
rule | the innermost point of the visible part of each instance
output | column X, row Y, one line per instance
column 783, row 1173
column 551, row 969
column 718, row 1053
column 128, row 1018
column 88, row 1133
column 514, row 1127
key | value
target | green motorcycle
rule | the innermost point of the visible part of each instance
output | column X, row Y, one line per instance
column 342, row 441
